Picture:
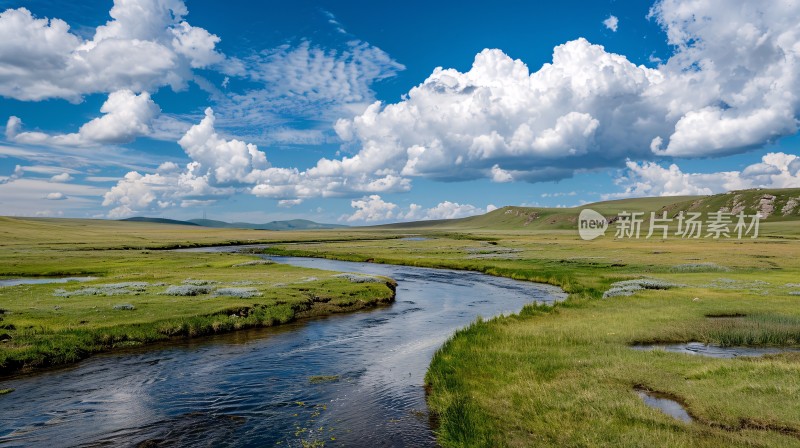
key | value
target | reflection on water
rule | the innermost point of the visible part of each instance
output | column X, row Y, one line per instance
column 253, row 388
column 665, row 405
column 40, row 281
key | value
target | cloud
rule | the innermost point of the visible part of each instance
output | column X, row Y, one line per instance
column 286, row 203
column 776, row 170
column 220, row 167
column 144, row 46
column 729, row 87
column 307, row 82
column 126, row 116
column 449, row 210
column 333, row 21
column 138, row 192
column 63, row 177
column 26, row 196
column 498, row 120
column 18, row 172
column 612, row 23
column 372, row 208
column 225, row 161
column 55, row 196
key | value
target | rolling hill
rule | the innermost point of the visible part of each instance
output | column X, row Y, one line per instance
column 773, row 204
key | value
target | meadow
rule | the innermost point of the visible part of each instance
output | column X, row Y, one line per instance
column 141, row 294
column 566, row 375
column 559, row 375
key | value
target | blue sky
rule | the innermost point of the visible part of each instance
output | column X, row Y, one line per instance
column 336, row 111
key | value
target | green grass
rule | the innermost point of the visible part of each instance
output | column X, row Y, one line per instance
column 565, row 375
column 49, row 324
column 560, row 375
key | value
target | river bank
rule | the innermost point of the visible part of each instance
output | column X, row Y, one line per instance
column 133, row 298
column 350, row 379
column 568, row 374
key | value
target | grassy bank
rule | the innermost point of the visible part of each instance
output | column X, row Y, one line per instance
column 566, row 375
column 142, row 296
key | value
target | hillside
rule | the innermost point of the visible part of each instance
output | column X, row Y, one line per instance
column 774, row 205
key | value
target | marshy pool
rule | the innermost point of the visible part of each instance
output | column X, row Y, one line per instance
column 345, row 380
column 42, row 280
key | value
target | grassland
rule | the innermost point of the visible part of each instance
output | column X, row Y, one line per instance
column 566, row 375
column 562, row 375
column 132, row 302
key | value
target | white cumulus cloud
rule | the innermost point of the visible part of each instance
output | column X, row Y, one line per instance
column 372, row 208
column 57, row 196
column 63, row 177
column 612, row 23
column 730, row 86
column 146, row 45
column 776, row 170
column 126, row 116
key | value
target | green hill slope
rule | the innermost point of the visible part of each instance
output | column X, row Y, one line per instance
column 773, row 205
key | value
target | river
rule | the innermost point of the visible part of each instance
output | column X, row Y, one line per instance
column 345, row 380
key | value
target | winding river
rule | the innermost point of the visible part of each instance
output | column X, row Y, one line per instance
column 345, row 380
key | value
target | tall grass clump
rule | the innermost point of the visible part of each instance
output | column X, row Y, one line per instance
column 755, row 330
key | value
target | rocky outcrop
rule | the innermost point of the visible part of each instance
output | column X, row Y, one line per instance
column 766, row 206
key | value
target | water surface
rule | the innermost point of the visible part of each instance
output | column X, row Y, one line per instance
column 665, row 405
column 41, row 280
column 256, row 388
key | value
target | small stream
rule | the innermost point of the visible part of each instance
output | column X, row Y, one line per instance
column 42, row 280
column 346, row 380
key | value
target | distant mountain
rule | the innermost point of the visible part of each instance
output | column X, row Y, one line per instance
column 159, row 221
column 292, row 224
